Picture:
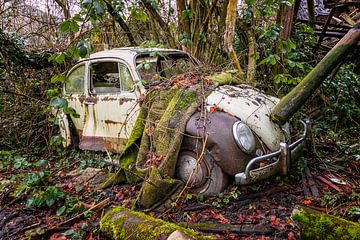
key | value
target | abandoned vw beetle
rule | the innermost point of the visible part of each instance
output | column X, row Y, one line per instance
column 105, row 90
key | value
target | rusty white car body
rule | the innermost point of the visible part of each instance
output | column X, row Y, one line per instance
column 240, row 133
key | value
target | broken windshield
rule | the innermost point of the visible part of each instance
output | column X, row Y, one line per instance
column 157, row 66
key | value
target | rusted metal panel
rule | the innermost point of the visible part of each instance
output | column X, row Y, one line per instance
column 102, row 144
column 253, row 108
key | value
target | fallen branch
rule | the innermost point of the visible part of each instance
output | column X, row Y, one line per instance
column 70, row 221
column 311, row 183
column 96, row 207
column 327, row 182
column 263, row 193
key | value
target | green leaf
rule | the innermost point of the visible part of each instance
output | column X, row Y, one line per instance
column 39, row 231
column 147, row 66
column 291, row 44
column 50, row 202
column 59, row 102
column 69, row 232
column 86, row 2
column 58, row 78
column 60, row 211
column 52, row 93
column 272, row 61
column 52, row 57
column 185, row 41
column 71, row 111
column 74, row 26
column 56, row 140
column 17, row 165
column 60, row 58
column 290, row 63
column 40, row 163
column 186, row 14
column 82, row 51
column 99, row 8
column 64, row 26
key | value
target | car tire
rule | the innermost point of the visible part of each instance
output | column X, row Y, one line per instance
column 206, row 176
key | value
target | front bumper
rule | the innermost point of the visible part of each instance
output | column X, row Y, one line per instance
column 281, row 164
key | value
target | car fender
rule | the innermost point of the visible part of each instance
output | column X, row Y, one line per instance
column 252, row 107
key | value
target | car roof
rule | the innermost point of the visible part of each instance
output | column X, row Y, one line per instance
column 127, row 52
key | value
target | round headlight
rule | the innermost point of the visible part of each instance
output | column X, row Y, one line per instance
column 244, row 137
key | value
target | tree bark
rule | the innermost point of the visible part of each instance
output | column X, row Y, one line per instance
column 251, row 67
column 293, row 101
column 63, row 4
column 121, row 22
column 316, row 225
column 229, row 33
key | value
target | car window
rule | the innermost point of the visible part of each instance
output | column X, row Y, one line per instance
column 75, row 80
column 110, row 77
column 163, row 66
column 127, row 83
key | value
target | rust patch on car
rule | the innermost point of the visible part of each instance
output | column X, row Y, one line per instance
column 124, row 100
column 82, row 98
column 102, row 144
column 108, row 99
column 114, row 122
column 92, row 99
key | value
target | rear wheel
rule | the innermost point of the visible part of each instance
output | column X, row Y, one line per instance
column 200, row 171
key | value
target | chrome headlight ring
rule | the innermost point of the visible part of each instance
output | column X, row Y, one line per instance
column 244, row 137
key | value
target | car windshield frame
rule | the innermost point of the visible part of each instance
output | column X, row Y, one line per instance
column 158, row 59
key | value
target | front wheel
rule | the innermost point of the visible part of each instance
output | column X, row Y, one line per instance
column 199, row 170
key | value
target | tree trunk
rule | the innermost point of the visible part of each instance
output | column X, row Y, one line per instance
column 123, row 223
column 154, row 14
column 229, row 33
column 251, row 67
column 285, row 16
column 122, row 23
column 316, row 225
column 293, row 101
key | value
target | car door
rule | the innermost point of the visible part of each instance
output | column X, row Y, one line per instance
column 111, row 105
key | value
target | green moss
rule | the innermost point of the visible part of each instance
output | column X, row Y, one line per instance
column 122, row 223
column 156, row 189
column 167, row 112
column 322, row 226
column 113, row 227
column 230, row 77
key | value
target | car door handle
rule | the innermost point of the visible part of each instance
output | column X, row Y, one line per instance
column 88, row 103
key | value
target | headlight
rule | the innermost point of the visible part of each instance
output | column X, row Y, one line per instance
column 244, row 137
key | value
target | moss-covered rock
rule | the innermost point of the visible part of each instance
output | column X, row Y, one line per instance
column 123, row 223
column 315, row 225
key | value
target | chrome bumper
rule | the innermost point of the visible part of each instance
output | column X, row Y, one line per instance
column 281, row 165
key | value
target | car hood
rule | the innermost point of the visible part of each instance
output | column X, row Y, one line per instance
column 252, row 107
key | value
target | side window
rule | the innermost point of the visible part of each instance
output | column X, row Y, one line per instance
column 110, row 77
column 127, row 83
column 75, row 80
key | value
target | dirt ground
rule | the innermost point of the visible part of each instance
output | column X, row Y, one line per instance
column 260, row 211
